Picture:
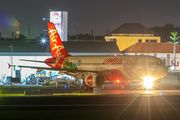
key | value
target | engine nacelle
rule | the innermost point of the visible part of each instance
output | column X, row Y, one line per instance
column 94, row 80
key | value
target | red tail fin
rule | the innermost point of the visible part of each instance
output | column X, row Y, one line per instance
column 57, row 47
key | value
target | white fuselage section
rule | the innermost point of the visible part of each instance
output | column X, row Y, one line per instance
column 132, row 67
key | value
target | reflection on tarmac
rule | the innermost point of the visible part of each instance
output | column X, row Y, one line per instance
column 140, row 92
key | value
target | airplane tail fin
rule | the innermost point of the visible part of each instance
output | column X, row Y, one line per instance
column 57, row 47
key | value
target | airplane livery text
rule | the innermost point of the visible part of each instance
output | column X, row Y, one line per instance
column 113, row 61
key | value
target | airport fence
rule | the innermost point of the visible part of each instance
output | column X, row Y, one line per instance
column 172, row 78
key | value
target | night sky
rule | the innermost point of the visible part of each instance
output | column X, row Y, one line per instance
column 105, row 14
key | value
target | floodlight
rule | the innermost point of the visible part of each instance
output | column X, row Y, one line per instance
column 43, row 40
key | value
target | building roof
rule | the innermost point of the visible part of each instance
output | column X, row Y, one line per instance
column 132, row 28
column 151, row 48
column 73, row 47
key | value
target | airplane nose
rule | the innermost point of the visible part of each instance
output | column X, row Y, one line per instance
column 164, row 71
column 152, row 67
column 158, row 71
column 155, row 68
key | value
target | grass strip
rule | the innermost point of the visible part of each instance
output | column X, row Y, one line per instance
column 10, row 95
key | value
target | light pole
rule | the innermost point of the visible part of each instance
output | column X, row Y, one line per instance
column 76, row 30
column 11, row 46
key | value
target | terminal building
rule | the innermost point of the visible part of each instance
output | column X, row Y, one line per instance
column 36, row 50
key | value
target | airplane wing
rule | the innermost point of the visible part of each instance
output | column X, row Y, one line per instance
column 60, row 69
column 35, row 61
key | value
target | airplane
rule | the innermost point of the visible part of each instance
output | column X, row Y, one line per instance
column 95, row 70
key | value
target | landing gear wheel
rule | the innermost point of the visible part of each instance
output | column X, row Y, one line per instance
column 91, row 89
column 86, row 88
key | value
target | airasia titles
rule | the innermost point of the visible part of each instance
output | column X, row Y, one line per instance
column 113, row 61
column 55, row 45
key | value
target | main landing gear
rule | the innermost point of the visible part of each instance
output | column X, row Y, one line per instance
column 88, row 88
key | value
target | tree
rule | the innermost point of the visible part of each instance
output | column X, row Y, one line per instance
column 22, row 37
column 174, row 37
column 163, row 31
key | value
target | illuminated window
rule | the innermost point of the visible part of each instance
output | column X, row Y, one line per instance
column 139, row 40
column 153, row 41
column 147, row 41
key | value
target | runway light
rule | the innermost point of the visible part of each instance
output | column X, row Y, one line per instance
column 148, row 82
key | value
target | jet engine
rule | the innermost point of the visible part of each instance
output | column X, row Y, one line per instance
column 94, row 80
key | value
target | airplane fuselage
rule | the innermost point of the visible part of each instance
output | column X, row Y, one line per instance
column 131, row 67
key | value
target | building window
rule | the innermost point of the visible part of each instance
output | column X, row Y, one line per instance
column 139, row 40
column 153, row 41
column 147, row 41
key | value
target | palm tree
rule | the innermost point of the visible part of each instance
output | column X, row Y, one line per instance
column 174, row 37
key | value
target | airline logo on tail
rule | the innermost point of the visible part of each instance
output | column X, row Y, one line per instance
column 57, row 47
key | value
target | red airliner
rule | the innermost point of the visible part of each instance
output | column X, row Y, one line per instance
column 95, row 70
